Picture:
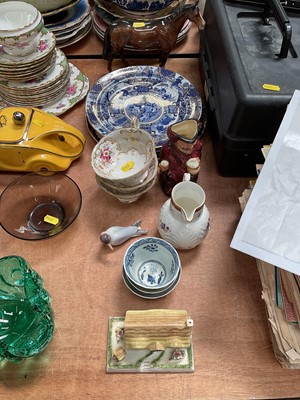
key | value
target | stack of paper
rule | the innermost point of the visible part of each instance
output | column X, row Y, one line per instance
column 285, row 335
column 280, row 292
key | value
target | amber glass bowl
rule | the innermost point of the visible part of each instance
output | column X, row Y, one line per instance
column 37, row 206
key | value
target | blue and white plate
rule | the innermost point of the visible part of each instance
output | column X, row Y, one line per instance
column 157, row 96
column 149, row 295
column 73, row 18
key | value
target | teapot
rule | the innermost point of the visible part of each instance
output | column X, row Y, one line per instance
column 184, row 218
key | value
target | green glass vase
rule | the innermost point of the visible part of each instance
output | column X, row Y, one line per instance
column 26, row 317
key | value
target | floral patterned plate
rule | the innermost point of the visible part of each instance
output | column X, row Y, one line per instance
column 156, row 96
column 38, row 84
column 28, row 72
column 142, row 361
column 77, row 90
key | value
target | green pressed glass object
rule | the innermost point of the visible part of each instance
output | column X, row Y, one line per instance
column 26, row 317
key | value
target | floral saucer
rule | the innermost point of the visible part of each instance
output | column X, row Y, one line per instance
column 46, row 45
column 77, row 90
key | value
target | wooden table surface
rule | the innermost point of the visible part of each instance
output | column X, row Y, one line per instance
column 220, row 288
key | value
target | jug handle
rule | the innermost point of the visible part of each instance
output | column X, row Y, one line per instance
column 134, row 122
column 186, row 177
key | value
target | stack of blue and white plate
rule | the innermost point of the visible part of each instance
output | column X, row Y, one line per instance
column 105, row 12
column 71, row 24
column 156, row 97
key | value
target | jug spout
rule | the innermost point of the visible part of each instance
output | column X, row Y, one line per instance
column 188, row 197
column 188, row 217
column 188, row 207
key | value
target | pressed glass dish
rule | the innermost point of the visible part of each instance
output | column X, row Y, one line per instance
column 26, row 317
column 37, row 206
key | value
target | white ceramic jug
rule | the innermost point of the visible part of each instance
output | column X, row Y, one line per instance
column 184, row 218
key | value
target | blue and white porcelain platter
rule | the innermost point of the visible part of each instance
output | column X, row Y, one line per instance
column 158, row 98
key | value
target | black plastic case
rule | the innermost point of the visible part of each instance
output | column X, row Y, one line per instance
column 241, row 54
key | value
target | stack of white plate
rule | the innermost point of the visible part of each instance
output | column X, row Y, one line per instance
column 38, row 91
column 43, row 78
column 71, row 25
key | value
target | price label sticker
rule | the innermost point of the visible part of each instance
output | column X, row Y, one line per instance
column 138, row 24
column 127, row 166
column 51, row 220
column 38, row 122
column 268, row 86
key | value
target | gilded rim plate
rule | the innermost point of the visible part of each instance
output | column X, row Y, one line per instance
column 76, row 90
column 80, row 35
column 48, row 79
column 72, row 18
column 61, row 9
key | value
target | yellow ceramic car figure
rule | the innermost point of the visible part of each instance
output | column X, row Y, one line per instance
column 33, row 140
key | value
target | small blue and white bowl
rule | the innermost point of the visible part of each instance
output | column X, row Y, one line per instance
column 151, row 263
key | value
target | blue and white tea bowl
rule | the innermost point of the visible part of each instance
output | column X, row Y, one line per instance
column 151, row 263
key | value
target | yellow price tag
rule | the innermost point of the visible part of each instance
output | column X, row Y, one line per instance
column 51, row 220
column 138, row 24
column 268, row 86
column 127, row 166
column 38, row 122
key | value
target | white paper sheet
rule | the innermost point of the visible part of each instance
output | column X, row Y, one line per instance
column 269, row 228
